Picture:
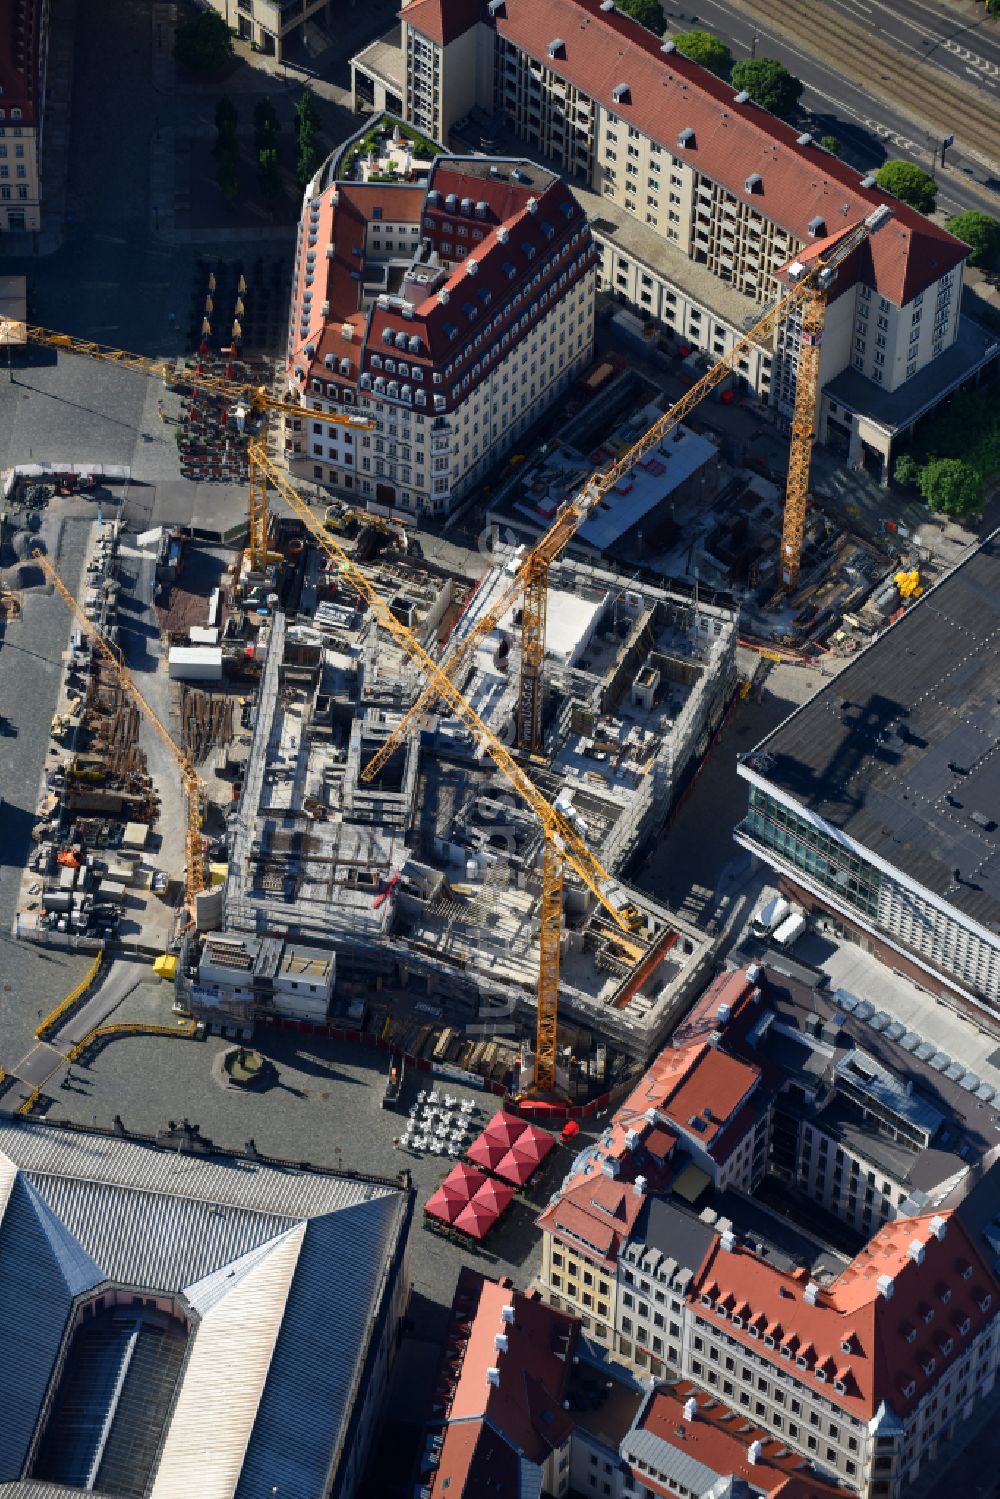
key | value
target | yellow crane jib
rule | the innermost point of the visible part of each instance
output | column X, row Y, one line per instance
column 562, row 844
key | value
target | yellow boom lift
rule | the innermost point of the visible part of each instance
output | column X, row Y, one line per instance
column 194, row 875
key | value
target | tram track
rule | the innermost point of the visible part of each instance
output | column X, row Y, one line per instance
column 923, row 92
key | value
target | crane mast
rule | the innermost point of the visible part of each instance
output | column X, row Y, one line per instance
column 562, row 844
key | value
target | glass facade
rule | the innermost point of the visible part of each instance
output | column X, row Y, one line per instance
column 854, row 881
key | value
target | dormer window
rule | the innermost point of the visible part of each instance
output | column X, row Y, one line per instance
column 927, row 1363
column 910, row 1389
column 985, row 1302
column 817, row 227
column 685, row 139
column 945, row 1294
column 846, row 1346
column 754, row 183
column 964, row 1326
column 840, row 1386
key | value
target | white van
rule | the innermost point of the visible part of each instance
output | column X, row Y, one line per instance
column 770, row 916
column 790, row 930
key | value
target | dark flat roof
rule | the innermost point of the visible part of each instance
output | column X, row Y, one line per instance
column 901, row 751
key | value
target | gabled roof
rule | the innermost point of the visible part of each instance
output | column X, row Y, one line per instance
column 443, row 20
column 491, row 1427
column 251, row 1249
column 697, row 1449
column 668, row 94
column 885, row 1330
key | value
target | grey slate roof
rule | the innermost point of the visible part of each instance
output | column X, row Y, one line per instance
column 315, row 1250
column 902, row 750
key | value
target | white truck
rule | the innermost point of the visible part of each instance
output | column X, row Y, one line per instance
column 770, row 916
column 790, row 930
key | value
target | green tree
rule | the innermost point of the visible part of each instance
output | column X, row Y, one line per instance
column 310, row 156
column 993, row 7
column 646, row 12
column 830, row 143
column 979, row 231
column 266, row 126
column 907, row 470
column 306, row 113
column 768, row 83
column 706, row 49
column 952, row 486
column 267, row 173
column 909, row 183
column 203, row 44
column 226, row 118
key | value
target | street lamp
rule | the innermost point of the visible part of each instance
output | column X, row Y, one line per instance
column 949, row 140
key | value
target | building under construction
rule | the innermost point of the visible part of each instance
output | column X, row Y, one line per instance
column 424, row 882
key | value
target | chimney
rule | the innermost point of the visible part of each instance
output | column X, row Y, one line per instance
column 915, row 1250
column 728, row 1240
column 632, row 1138
column 650, row 1116
column 938, row 1226
column 810, row 1293
column 753, row 1453
column 507, row 1315
column 500, row 1342
column 690, row 1409
column 884, row 1286
column 493, row 1376
column 639, row 1186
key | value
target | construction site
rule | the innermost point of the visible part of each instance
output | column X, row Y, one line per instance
column 425, row 881
column 424, row 825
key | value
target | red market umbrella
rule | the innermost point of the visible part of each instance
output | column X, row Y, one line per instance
column 535, row 1141
column 462, row 1183
column 476, row 1219
column 486, row 1152
column 496, row 1196
column 445, row 1209
column 515, row 1168
column 570, row 1130
column 505, row 1128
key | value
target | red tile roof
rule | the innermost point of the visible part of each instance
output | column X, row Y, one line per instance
column 721, row 1440
column 685, row 1082
column 443, row 20
column 669, row 93
column 20, row 36
column 537, row 219
column 852, row 1330
column 714, row 1088
column 733, row 990
column 523, row 1413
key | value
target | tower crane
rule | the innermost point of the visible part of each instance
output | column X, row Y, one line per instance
column 563, row 846
column 194, row 876
column 256, row 399
column 811, row 277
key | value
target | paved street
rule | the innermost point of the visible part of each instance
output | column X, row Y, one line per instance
column 870, row 131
